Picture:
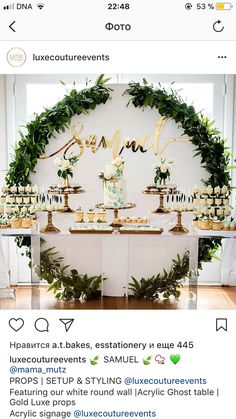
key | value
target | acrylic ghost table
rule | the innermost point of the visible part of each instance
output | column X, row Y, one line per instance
column 114, row 253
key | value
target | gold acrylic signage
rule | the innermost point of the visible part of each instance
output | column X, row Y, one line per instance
column 143, row 144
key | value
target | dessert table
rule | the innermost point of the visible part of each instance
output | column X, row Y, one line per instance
column 115, row 250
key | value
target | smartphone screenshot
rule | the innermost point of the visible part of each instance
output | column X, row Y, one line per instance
column 117, row 209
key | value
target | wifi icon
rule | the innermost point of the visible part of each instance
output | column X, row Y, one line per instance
column 40, row 6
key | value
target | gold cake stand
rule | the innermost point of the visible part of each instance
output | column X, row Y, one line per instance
column 66, row 194
column 179, row 228
column 50, row 228
column 161, row 192
column 116, row 211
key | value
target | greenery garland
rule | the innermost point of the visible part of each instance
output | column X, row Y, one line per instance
column 215, row 158
column 168, row 284
column 53, row 120
column 66, row 284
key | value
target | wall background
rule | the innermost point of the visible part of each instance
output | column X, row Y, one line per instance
column 131, row 122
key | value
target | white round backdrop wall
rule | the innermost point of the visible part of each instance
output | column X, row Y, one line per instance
column 145, row 256
column 132, row 123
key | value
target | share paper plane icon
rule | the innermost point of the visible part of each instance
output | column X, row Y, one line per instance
column 67, row 323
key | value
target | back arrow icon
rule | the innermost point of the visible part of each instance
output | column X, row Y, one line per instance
column 11, row 26
column 216, row 26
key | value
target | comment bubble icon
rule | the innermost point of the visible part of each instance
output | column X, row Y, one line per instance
column 41, row 325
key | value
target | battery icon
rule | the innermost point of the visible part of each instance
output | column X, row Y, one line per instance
column 224, row 6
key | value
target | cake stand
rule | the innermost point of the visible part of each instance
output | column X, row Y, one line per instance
column 116, row 211
column 179, row 228
column 161, row 192
column 49, row 228
column 66, row 194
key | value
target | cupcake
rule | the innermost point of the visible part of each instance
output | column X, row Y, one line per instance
column 4, row 222
column 217, row 225
column 220, row 211
column 101, row 216
column 5, row 189
column 16, row 222
column 33, row 199
column 232, row 226
column 79, row 215
column 19, row 199
column 13, row 189
column 21, row 189
column 2, row 199
column 11, row 199
column 218, row 201
column 209, row 190
column 26, row 200
column 205, row 211
column 205, row 223
column 91, row 215
column 26, row 223
column 226, row 201
column 210, row 201
column 227, row 212
column 226, row 226
column 224, row 190
column 217, row 190
column 35, row 189
column 28, row 189
column 9, row 210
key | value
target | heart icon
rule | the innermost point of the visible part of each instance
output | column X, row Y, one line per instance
column 16, row 324
column 175, row 359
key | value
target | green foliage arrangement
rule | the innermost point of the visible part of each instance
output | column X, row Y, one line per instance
column 53, row 120
column 208, row 143
column 166, row 284
column 67, row 284
column 207, row 140
column 169, row 283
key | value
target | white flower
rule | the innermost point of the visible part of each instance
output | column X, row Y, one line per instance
column 66, row 165
column 164, row 168
column 118, row 162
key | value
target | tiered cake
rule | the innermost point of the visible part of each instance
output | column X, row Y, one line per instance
column 114, row 184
